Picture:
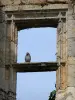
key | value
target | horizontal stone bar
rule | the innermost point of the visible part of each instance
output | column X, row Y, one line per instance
column 36, row 14
column 17, row 19
column 35, row 66
column 22, row 2
column 35, row 7
column 36, row 18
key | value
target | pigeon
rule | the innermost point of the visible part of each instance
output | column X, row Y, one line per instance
column 27, row 57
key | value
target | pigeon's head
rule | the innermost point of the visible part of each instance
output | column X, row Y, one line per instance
column 27, row 53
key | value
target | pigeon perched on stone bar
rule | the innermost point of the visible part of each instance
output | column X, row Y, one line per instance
column 27, row 57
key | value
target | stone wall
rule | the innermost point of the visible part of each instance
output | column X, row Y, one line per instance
column 65, row 45
column 11, row 2
column 4, row 95
column 69, row 92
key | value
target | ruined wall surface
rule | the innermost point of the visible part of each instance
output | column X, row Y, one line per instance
column 10, row 2
column 9, row 18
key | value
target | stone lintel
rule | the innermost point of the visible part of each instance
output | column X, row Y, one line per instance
column 35, row 67
column 36, row 18
column 35, row 7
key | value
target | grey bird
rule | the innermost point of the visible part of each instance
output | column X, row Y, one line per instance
column 27, row 57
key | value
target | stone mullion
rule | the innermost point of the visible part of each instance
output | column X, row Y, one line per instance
column 12, row 41
column 8, row 44
column 12, row 52
column 63, row 58
column 16, row 42
column 15, row 60
column 9, row 77
column 61, row 72
column 14, row 82
column 64, row 42
column 62, row 53
column 9, row 71
column 58, row 72
column 10, row 58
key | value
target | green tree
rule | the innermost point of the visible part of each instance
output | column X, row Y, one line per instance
column 52, row 95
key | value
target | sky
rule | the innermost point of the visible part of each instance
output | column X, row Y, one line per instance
column 41, row 44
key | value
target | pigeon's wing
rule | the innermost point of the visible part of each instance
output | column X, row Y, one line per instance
column 30, row 58
column 27, row 58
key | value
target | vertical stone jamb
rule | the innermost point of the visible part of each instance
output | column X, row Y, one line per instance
column 71, row 51
column 59, row 34
column 3, row 27
column 11, row 57
column 61, row 57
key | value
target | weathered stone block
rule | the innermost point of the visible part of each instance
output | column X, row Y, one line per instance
column 71, row 28
column 63, row 77
column 71, row 47
column 5, row 2
column 60, row 95
column 70, row 93
column 71, row 76
column 16, row 2
column 10, row 2
column 71, row 60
